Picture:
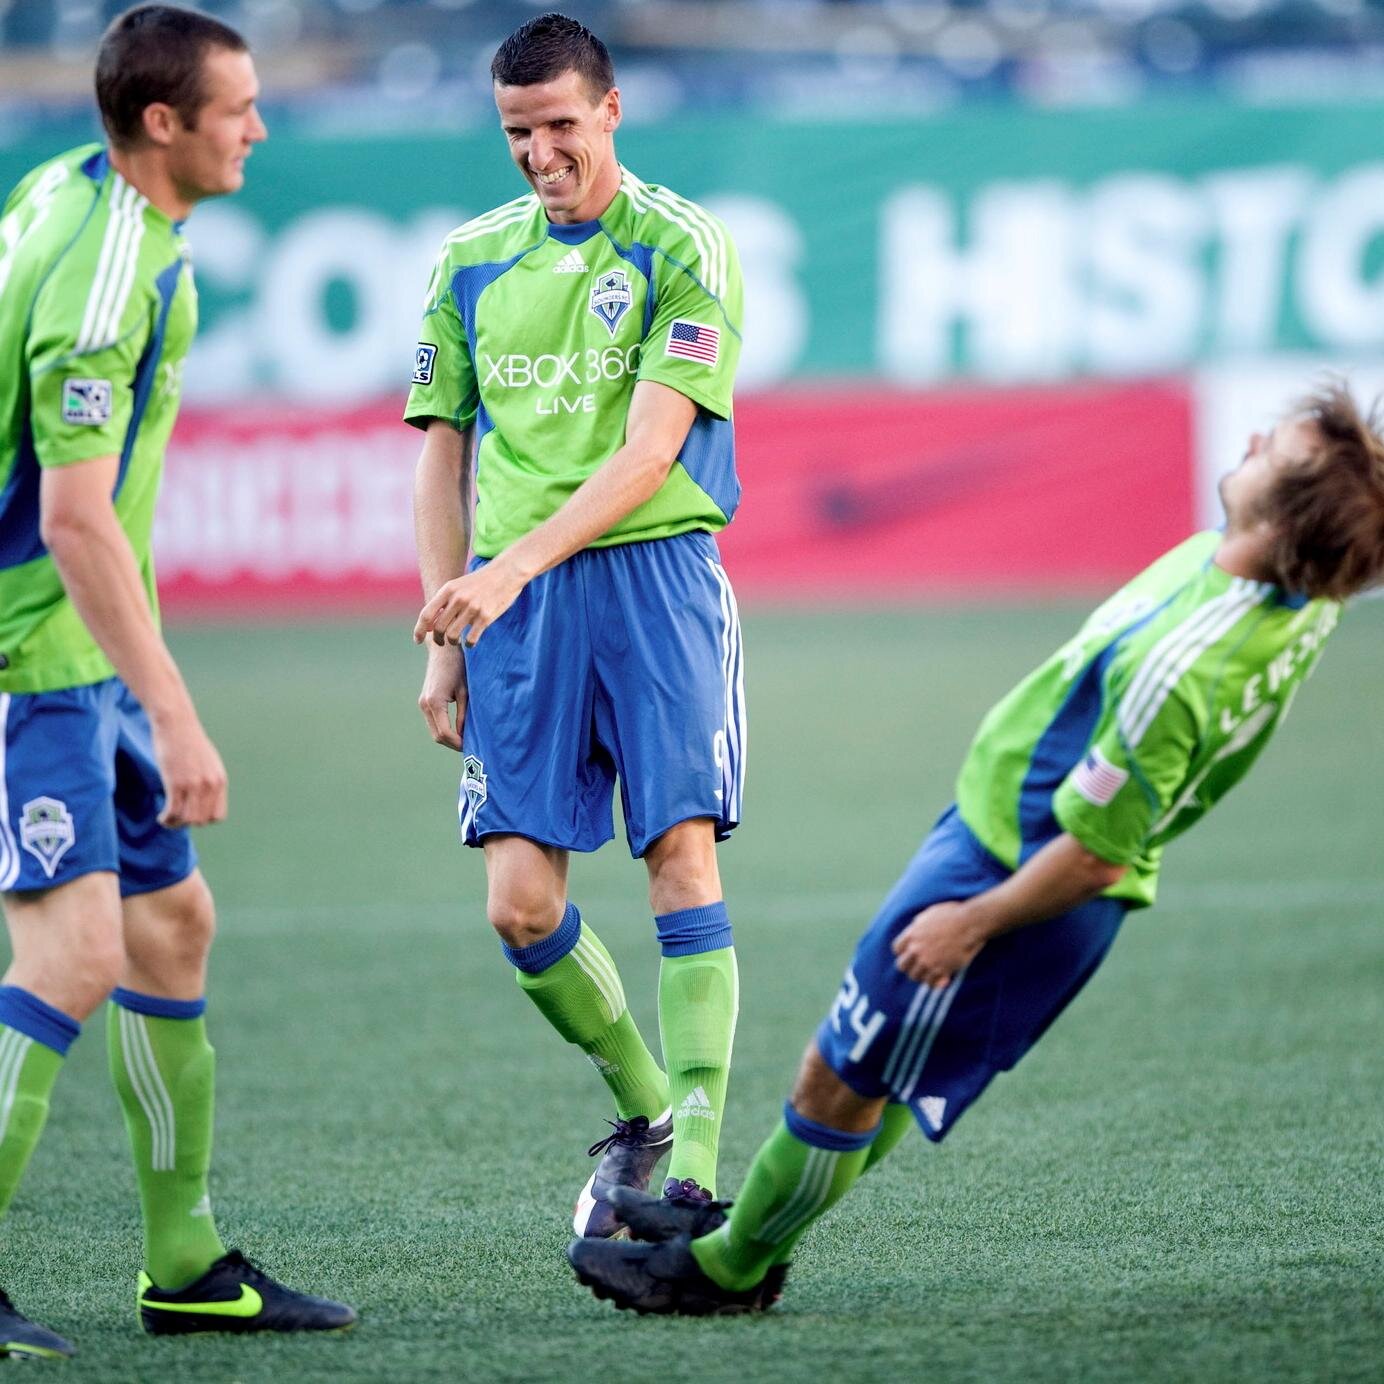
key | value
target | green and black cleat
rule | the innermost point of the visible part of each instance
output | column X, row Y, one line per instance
column 26, row 1340
column 664, row 1278
column 236, row 1295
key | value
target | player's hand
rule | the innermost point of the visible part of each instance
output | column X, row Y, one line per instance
column 444, row 687
column 939, row 942
column 194, row 778
column 468, row 605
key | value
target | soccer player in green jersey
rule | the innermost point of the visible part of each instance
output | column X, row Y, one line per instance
column 582, row 342
column 1074, row 784
column 104, row 764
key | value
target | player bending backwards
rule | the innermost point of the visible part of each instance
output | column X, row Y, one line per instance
column 103, row 761
column 583, row 339
column 1121, row 741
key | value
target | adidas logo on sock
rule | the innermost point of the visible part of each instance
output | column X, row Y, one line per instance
column 203, row 1207
column 601, row 1065
column 697, row 1103
column 571, row 263
column 934, row 1108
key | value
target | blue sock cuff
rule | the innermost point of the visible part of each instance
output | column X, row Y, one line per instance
column 157, row 1007
column 693, row 930
column 548, row 951
column 37, row 1020
column 822, row 1136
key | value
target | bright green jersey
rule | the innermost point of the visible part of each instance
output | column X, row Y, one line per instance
column 538, row 333
column 1141, row 724
column 97, row 311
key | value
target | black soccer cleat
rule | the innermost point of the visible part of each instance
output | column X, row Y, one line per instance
column 685, row 1208
column 628, row 1158
column 236, row 1295
column 661, row 1278
column 26, row 1340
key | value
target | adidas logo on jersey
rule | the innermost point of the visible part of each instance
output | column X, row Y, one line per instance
column 697, row 1104
column 934, row 1109
column 571, row 263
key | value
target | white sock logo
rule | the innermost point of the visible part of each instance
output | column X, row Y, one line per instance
column 697, row 1103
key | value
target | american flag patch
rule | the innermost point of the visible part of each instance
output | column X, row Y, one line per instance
column 1097, row 779
column 692, row 341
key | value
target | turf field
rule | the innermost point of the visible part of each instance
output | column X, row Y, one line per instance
column 1182, row 1182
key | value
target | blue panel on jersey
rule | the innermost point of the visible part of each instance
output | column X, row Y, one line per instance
column 708, row 456
column 577, row 234
column 1061, row 746
column 642, row 258
column 167, row 285
column 95, row 167
column 470, row 281
column 1065, row 741
column 19, row 540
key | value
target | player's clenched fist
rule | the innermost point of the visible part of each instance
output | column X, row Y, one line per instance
column 939, row 942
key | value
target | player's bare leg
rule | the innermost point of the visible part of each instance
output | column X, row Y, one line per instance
column 565, row 969
column 698, row 999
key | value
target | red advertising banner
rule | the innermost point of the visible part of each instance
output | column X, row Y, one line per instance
column 849, row 493
column 987, row 492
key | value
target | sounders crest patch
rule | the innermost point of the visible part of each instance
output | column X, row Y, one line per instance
column 46, row 831
column 611, row 297
column 473, row 781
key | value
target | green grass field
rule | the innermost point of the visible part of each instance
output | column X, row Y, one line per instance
column 1182, row 1182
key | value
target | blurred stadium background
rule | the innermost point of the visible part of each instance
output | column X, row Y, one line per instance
column 1021, row 275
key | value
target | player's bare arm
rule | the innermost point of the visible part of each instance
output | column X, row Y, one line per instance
column 442, row 523
column 945, row 937
column 79, row 526
column 659, row 421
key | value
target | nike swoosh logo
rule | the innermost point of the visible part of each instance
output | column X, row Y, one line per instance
column 248, row 1304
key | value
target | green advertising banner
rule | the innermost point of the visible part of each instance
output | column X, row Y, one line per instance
column 994, row 244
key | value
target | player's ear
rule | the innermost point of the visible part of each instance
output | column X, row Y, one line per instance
column 612, row 110
column 160, row 120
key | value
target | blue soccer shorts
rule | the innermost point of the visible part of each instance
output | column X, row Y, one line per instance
column 620, row 663
column 935, row 1050
column 80, row 791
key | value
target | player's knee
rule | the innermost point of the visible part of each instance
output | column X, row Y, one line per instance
column 521, row 921
column 92, row 971
column 194, row 924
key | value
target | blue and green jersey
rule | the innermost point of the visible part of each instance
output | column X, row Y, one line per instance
column 97, row 311
column 538, row 333
column 1131, row 732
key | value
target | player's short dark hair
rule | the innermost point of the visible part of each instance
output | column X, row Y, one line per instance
column 1327, row 508
column 548, row 46
column 155, row 54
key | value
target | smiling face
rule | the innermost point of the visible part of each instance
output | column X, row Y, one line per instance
column 206, row 158
column 1245, row 491
column 562, row 139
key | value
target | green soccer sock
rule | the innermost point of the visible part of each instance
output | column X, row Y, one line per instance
column 698, row 999
column 34, row 1039
column 802, row 1170
column 895, row 1123
column 573, row 980
column 164, row 1073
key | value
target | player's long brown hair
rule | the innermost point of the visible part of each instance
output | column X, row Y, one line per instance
column 1328, row 509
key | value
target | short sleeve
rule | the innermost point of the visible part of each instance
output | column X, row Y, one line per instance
column 444, row 373
column 81, row 396
column 693, row 342
column 1114, row 801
